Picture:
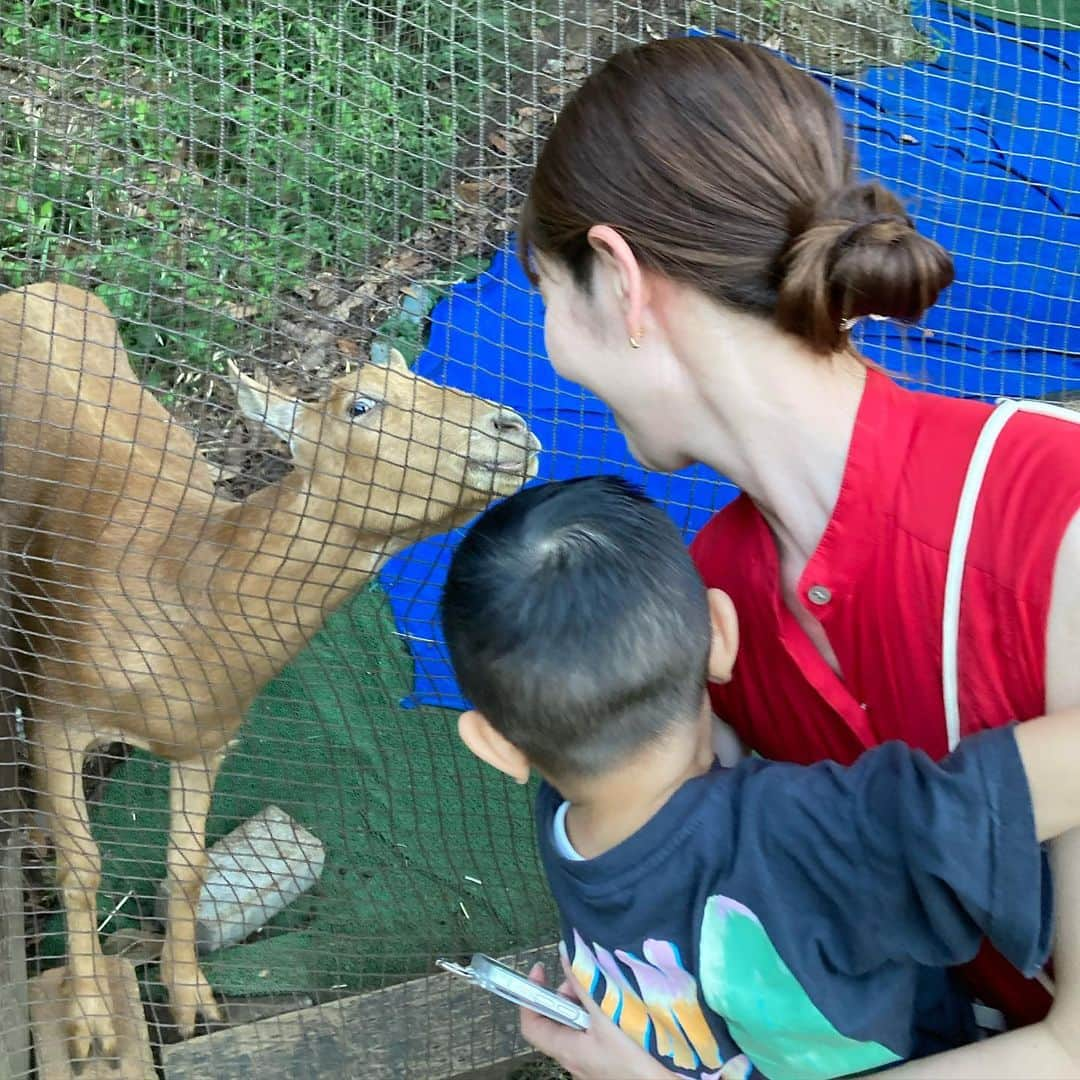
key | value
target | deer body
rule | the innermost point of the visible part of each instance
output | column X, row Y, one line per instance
column 149, row 610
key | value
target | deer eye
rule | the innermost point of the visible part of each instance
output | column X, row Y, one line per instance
column 361, row 406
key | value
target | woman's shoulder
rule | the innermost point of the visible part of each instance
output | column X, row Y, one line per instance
column 1038, row 429
column 1032, row 478
column 1051, row 436
column 1034, row 470
column 1031, row 491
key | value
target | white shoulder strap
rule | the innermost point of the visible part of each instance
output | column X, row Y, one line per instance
column 965, row 516
column 954, row 573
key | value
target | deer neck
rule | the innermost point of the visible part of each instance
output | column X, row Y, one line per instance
column 290, row 553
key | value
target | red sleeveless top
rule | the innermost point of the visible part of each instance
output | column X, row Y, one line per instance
column 876, row 584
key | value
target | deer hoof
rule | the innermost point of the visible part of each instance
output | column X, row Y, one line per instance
column 190, row 997
column 89, row 1020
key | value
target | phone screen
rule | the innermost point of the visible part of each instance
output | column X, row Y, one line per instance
column 512, row 986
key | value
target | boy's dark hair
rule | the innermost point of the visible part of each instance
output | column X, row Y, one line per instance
column 577, row 623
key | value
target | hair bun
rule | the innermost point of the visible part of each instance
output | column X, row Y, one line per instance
column 856, row 254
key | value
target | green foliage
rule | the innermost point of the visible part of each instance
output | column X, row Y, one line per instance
column 190, row 161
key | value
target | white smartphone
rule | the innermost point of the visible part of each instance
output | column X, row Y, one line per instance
column 507, row 983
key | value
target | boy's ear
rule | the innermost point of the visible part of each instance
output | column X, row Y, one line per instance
column 725, row 636
column 488, row 745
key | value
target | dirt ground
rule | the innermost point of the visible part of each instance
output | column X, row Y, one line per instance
column 331, row 321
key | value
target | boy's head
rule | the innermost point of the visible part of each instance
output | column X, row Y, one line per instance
column 579, row 627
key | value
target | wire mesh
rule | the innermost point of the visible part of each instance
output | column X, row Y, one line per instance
column 289, row 189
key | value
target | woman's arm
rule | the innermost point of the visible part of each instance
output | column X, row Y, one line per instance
column 1063, row 625
column 1062, row 691
column 1051, row 1048
column 1032, row 1053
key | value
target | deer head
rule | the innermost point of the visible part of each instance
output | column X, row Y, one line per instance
column 395, row 452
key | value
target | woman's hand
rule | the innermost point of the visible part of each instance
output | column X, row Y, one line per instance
column 601, row 1053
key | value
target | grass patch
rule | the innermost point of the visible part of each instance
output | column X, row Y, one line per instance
column 413, row 869
column 190, row 161
column 543, row 1069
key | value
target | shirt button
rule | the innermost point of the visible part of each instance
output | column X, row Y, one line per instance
column 819, row 594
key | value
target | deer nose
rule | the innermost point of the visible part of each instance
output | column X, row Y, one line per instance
column 504, row 422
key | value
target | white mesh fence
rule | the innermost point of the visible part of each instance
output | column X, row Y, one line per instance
column 290, row 190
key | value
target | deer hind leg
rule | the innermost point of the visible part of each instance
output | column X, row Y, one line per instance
column 190, row 790
column 78, row 875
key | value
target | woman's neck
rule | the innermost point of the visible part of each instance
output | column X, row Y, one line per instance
column 777, row 421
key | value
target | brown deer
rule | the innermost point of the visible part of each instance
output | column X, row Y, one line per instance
column 149, row 610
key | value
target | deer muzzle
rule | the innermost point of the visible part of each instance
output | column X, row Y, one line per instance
column 503, row 452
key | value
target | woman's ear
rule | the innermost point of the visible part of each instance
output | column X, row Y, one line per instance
column 617, row 258
column 725, row 636
column 489, row 745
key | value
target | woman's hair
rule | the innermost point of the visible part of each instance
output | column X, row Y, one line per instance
column 725, row 167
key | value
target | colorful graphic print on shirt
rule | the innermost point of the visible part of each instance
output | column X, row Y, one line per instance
column 743, row 980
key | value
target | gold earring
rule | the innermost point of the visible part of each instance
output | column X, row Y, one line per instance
column 634, row 343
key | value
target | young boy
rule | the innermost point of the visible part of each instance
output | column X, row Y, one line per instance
column 765, row 919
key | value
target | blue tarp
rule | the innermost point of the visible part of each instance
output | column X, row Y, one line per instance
column 983, row 144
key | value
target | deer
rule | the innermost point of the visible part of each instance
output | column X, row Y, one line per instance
column 150, row 609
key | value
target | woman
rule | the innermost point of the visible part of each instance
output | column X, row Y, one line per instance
column 703, row 249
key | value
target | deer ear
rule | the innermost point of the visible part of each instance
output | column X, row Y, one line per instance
column 397, row 361
column 262, row 404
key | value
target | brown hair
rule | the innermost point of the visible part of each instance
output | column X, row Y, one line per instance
column 725, row 167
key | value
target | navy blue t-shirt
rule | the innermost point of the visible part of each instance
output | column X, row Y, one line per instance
column 797, row 922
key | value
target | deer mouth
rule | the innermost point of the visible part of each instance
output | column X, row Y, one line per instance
column 514, row 467
column 507, row 471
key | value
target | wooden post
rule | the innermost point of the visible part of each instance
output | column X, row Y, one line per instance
column 14, row 1019
column 439, row 1027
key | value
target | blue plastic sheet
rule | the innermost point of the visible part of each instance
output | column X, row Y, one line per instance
column 984, row 146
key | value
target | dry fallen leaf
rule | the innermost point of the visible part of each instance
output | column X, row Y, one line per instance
column 473, row 191
column 469, row 191
column 404, row 259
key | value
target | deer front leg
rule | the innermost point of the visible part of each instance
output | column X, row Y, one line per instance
column 78, row 875
column 191, row 787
